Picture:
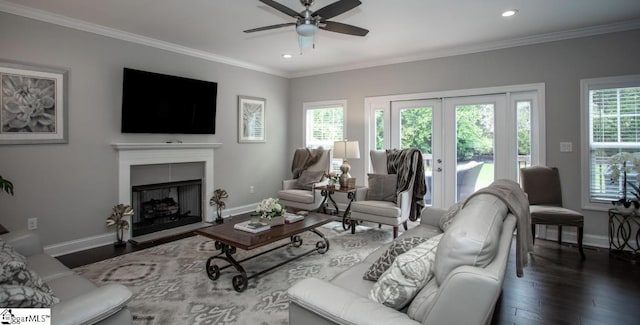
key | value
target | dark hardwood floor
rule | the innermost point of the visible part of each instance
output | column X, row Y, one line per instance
column 557, row 287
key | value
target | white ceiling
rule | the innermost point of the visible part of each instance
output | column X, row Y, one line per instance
column 400, row 31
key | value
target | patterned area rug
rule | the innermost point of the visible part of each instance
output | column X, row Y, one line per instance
column 170, row 285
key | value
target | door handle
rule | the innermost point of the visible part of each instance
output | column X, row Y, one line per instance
column 439, row 161
column 438, row 169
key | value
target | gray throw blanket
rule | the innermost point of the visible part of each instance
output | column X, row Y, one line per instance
column 408, row 165
column 516, row 200
column 303, row 158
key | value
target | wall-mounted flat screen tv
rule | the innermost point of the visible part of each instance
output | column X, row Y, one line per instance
column 160, row 103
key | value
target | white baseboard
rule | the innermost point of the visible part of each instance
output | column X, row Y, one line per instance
column 80, row 244
column 108, row 238
column 569, row 235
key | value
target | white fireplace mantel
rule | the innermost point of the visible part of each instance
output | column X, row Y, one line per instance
column 133, row 154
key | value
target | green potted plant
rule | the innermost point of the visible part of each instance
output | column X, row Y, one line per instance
column 6, row 185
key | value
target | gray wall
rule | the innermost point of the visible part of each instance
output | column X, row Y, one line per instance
column 560, row 65
column 72, row 187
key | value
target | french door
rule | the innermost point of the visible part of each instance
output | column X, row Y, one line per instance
column 466, row 142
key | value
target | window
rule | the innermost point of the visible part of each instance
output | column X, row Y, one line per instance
column 325, row 123
column 612, row 124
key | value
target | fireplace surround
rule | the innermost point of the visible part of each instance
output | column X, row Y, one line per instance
column 138, row 154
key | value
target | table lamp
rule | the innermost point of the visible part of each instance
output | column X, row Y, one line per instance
column 345, row 150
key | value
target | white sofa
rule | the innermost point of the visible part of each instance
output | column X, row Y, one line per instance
column 469, row 268
column 81, row 302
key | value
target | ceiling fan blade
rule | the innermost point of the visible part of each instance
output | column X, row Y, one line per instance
column 336, row 8
column 283, row 9
column 343, row 28
column 259, row 29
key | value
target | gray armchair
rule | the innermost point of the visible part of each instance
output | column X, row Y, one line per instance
column 308, row 173
column 372, row 206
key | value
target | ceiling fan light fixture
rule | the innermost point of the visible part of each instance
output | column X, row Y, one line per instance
column 306, row 42
column 306, row 30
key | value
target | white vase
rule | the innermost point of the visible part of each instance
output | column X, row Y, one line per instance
column 275, row 221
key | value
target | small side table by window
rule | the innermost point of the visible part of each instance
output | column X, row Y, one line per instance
column 621, row 226
column 327, row 192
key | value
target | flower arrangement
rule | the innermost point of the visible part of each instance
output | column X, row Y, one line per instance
column 623, row 163
column 218, row 200
column 270, row 208
column 333, row 177
column 117, row 218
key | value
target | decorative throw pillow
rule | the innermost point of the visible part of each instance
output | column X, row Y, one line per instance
column 309, row 177
column 447, row 218
column 399, row 246
column 18, row 296
column 11, row 262
column 382, row 187
column 408, row 274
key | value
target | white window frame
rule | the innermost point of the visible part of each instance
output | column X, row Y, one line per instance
column 587, row 85
column 335, row 163
column 320, row 105
column 534, row 92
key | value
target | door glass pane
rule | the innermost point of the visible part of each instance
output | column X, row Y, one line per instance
column 474, row 148
column 379, row 131
column 416, row 131
column 523, row 111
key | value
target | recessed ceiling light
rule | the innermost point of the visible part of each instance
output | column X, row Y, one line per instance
column 509, row 13
column 287, row 56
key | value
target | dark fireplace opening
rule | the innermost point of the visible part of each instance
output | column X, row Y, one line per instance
column 164, row 206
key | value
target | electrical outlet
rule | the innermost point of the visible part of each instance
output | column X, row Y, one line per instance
column 251, row 189
column 32, row 223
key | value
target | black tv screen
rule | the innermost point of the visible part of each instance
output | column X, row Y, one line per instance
column 160, row 103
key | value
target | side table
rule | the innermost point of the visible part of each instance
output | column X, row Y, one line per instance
column 621, row 226
column 327, row 192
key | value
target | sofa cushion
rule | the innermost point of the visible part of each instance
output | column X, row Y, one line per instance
column 71, row 286
column 352, row 280
column 382, row 187
column 473, row 236
column 309, row 177
column 447, row 217
column 407, row 275
column 399, row 246
column 378, row 208
column 47, row 267
column 421, row 304
column 20, row 296
column 301, row 196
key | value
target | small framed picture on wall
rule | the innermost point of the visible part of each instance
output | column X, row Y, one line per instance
column 251, row 119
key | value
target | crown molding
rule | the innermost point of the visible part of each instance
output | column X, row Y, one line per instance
column 485, row 47
column 85, row 26
column 65, row 21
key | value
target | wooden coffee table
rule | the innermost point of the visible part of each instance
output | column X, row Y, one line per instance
column 228, row 239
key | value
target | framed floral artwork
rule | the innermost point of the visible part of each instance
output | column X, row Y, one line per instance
column 33, row 104
column 251, row 119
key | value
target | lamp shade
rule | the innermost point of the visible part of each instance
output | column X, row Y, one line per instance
column 346, row 149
